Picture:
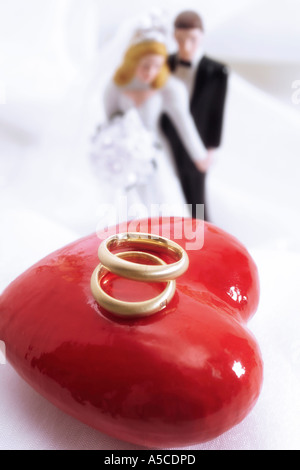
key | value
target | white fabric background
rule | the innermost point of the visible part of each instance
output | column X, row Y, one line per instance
column 54, row 60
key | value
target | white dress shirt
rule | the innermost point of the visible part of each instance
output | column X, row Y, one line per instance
column 186, row 74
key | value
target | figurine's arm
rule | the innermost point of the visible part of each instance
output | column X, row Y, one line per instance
column 111, row 100
column 176, row 105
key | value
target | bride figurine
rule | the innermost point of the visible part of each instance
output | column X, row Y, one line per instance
column 129, row 150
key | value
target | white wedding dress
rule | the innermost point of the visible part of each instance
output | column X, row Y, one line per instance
column 131, row 153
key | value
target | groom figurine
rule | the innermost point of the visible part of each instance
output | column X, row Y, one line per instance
column 206, row 82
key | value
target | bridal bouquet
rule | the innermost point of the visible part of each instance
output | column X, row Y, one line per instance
column 124, row 151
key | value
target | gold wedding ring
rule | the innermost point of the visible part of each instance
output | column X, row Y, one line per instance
column 140, row 272
column 125, row 309
column 158, row 272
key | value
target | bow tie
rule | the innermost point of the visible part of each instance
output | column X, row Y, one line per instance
column 184, row 63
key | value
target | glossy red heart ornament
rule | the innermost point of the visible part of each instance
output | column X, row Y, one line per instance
column 180, row 377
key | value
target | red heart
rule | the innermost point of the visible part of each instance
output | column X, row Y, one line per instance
column 180, row 377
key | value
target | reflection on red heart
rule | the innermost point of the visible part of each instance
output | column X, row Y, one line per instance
column 180, row 377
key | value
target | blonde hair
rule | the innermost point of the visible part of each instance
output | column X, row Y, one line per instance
column 134, row 54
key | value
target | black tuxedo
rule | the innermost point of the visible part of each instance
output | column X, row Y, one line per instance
column 207, row 108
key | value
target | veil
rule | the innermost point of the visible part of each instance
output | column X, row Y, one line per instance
column 77, row 60
column 111, row 50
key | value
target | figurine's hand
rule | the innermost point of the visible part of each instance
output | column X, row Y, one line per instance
column 203, row 165
column 139, row 96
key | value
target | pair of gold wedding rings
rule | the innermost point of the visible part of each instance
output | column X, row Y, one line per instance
column 120, row 264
